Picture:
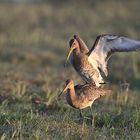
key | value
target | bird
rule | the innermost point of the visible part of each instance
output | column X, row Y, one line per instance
column 83, row 96
column 90, row 63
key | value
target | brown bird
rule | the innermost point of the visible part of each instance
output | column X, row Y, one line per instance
column 83, row 96
column 89, row 63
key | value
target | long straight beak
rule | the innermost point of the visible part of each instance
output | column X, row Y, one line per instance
column 68, row 56
column 64, row 90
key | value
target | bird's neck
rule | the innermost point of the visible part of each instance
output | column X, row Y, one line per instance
column 72, row 93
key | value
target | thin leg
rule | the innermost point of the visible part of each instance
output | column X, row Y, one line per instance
column 81, row 116
column 92, row 117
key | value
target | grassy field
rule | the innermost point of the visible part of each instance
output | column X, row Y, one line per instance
column 33, row 45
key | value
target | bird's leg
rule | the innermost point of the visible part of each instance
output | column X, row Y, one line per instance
column 81, row 116
column 92, row 117
column 97, row 84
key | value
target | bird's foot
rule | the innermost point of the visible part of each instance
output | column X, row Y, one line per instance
column 103, row 82
column 97, row 84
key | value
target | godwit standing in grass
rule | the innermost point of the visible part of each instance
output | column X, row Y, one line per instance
column 89, row 63
column 83, row 96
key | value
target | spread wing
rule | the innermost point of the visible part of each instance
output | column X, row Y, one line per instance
column 106, row 45
column 83, row 46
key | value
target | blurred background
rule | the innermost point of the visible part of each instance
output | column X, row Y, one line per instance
column 35, row 34
column 34, row 41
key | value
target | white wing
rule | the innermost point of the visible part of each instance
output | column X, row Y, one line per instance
column 83, row 46
column 106, row 45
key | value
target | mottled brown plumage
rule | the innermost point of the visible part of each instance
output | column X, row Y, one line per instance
column 79, row 59
column 83, row 96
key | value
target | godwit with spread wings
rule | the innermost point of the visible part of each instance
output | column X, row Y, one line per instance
column 89, row 63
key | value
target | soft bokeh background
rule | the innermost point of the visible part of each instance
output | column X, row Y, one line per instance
column 34, row 41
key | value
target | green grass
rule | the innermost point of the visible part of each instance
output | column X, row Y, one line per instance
column 33, row 45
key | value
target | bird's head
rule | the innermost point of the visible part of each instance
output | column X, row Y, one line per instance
column 69, row 85
column 74, row 46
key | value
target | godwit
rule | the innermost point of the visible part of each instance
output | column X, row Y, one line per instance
column 89, row 63
column 83, row 96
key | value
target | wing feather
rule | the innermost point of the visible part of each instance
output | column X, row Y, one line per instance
column 106, row 45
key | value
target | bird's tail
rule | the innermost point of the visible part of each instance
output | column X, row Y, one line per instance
column 105, row 91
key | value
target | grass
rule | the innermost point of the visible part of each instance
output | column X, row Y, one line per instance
column 33, row 46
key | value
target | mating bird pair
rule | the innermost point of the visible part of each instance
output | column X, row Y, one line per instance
column 89, row 64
